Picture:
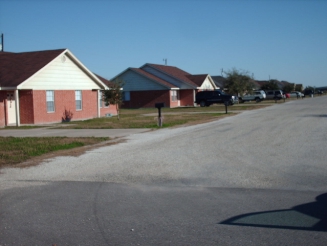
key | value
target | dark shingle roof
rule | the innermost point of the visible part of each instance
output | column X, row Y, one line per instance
column 152, row 77
column 174, row 72
column 103, row 80
column 197, row 79
column 17, row 67
column 219, row 81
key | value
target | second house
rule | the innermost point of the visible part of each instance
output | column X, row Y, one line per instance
column 153, row 83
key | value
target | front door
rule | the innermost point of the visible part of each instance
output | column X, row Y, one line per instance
column 11, row 107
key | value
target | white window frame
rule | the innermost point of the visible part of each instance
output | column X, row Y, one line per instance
column 100, row 99
column 50, row 98
column 174, row 96
column 78, row 98
column 102, row 103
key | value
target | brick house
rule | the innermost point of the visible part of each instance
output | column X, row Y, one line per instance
column 152, row 83
column 37, row 87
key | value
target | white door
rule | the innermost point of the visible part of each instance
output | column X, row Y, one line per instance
column 11, row 108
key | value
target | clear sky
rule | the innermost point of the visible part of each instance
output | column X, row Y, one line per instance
column 276, row 39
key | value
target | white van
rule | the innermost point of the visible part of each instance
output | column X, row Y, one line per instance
column 263, row 93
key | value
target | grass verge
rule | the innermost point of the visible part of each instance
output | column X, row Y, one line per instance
column 16, row 150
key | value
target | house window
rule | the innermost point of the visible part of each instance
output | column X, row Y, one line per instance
column 174, row 96
column 126, row 96
column 78, row 100
column 101, row 102
column 50, row 101
column 100, row 99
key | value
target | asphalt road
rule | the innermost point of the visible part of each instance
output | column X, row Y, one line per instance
column 257, row 178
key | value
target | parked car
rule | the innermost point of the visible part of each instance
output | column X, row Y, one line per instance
column 252, row 96
column 263, row 93
column 275, row 95
column 308, row 92
column 206, row 98
column 296, row 94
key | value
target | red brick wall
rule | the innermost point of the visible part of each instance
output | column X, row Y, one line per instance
column 147, row 99
column 110, row 110
column 3, row 96
column 66, row 100
column 186, row 98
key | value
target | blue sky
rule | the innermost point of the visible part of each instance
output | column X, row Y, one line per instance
column 276, row 39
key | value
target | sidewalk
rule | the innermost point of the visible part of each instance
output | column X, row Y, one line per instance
column 46, row 132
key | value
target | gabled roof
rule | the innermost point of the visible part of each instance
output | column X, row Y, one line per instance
column 17, row 67
column 219, row 81
column 174, row 72
column 105, row 81
column 153, row 78
column 198, row 79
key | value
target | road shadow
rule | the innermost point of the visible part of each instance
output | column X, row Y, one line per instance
column 309, row 216
column 316, row 115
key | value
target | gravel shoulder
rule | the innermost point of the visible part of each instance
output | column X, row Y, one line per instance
column 274, row 148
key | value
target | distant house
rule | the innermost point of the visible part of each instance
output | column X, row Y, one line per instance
column 219, row 81
column 37, row 87
column 152, row 83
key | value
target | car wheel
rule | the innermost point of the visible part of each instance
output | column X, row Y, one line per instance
column 257, row 100
column 202, row 103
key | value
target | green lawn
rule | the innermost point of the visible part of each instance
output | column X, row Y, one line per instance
column 16, row 150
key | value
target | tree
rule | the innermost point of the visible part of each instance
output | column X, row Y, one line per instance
column 114, row 95
column 238, row 82
column 298, row 87
column 271, row 85
column 288, row 88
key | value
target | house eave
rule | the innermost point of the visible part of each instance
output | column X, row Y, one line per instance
column 8, row 88
column 96, row 80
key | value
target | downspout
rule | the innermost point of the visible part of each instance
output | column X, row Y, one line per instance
column 17, row 108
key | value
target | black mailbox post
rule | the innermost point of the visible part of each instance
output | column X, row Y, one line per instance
column 159, row 106
column 226, row 106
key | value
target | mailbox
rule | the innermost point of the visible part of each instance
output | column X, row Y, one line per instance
column 159, row 105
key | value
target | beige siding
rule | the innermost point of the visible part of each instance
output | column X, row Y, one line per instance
column 61, row 74
column 206, row 85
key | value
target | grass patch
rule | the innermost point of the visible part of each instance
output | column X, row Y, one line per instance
column 22, row 127
column 16, row 150
column 147, row 119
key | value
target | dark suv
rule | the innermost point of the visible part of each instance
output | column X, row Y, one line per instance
column 206, row 98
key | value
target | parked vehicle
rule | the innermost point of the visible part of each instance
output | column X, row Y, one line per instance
column 275, row 95
column 296, row 94
column 263, row 93
column 252, row 96
column 206, row 98
column 308, row 92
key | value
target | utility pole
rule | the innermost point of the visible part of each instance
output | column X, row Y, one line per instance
column 1, row 45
